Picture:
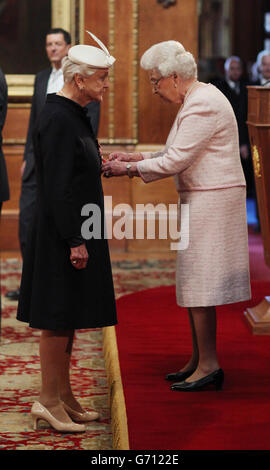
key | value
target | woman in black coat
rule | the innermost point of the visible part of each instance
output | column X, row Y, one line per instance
column 67, row 280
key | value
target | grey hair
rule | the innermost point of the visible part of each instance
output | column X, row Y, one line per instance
column 69, row 69
column 170, row 57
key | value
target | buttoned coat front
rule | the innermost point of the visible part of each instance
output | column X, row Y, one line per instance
column 202, row 153
column 28, row 188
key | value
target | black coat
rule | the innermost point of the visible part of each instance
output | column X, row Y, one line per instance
column 4, row 186
column 53, row 294
column 38, row 101
column 239, row 104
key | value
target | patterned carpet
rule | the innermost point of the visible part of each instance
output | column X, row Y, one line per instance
column 19, row 364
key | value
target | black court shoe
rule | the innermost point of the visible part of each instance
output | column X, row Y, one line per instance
column 216, row 379
column 179, row 376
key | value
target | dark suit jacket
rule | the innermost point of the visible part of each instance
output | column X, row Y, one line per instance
column 239, row 104
column 257, row 83
column 38, row 101
column 4, row 187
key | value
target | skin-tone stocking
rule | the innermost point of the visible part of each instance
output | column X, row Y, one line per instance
column 55, row 352
column 193, row 362
column 204, row 327
column 65, row 390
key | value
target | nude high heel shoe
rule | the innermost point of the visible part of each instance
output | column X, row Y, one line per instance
column 84, row 417
column 39, row 411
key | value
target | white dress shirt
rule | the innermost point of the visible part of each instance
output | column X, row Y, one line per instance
column 56, row 81
column 264, row 81
column 234, row 86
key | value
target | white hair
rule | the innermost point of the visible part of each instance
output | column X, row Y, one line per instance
column 233, row 58
column 260, row 57
column 170, row 57
column 69, row 69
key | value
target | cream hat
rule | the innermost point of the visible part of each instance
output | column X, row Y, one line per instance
column 90, row 55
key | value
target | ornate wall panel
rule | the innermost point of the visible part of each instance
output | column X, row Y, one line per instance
column 116, row 23
column 130, row 114
column 96, row 19
column 156, row 24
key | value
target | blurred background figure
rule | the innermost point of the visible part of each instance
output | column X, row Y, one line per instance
column 4, row 186
column 263, row 68
column 234, row 87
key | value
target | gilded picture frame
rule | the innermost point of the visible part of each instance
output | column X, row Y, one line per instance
column 66, row 14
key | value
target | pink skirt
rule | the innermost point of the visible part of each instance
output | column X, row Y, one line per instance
column 214, row 268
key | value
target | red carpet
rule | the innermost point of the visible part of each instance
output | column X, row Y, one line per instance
column 154, row 339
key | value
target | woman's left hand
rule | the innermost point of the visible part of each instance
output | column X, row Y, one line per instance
column 114, row 168
column 79, row 256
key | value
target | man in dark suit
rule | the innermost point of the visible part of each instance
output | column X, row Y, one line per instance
column 58, row 42
column 4, row 187
column 234, row 87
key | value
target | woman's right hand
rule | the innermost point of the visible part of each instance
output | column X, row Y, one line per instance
column 125, row 157
column 79, row 256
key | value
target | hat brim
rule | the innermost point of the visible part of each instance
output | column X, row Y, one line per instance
column 89, row 55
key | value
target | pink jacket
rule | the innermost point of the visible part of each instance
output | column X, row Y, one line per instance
column 202, row 149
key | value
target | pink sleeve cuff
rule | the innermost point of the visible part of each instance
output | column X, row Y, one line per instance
column 141, row 172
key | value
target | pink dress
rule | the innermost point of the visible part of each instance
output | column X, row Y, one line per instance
column 202, row 152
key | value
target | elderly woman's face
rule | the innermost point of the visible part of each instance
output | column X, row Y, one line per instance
column 164, row 86
column 96, row 85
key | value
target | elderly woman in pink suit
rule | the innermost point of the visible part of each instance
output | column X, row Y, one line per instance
column 202, row 152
